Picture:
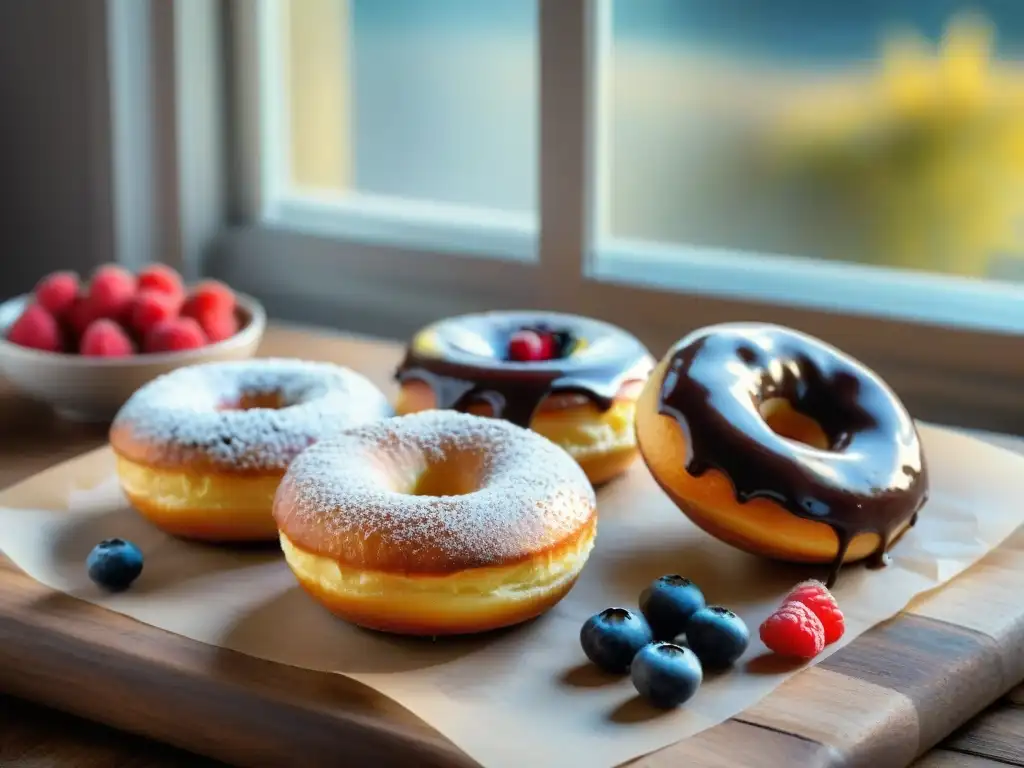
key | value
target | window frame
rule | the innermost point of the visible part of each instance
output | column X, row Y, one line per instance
column 163, row 75
column 384, row 272
column 144, row 110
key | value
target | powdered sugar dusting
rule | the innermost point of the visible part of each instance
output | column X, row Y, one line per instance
column 184, row 409
column 351, row 493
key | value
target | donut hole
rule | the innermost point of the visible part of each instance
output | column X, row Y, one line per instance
column 450, row 476
column 248, row 401
column 784, row 420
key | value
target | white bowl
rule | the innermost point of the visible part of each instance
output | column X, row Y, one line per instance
column 94, row 388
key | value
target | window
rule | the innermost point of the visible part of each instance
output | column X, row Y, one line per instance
column 659, row 164
column 403, row 120
column 885, row 134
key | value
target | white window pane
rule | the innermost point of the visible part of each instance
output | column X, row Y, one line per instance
column 446, row 100
column 401, row 123
column 429, row 101
column 811, row 129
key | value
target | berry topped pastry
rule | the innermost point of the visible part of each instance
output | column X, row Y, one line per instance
column 572, row 379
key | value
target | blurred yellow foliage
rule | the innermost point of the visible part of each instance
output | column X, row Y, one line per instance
column 927, row 154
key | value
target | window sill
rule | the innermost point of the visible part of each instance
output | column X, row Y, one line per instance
column 836, row 287
column 414, row 224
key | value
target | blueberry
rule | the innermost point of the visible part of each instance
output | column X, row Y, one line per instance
column 114, row 564
column 565, row 343
column 717, row 635
column 668, row 605
column 666, row 675
column 612, row 637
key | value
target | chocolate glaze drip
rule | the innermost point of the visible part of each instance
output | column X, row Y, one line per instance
column 462, row 359
column 873, row 478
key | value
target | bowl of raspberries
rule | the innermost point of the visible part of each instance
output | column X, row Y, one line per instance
column 83, row 345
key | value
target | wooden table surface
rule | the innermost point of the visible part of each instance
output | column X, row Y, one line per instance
column 31, row 736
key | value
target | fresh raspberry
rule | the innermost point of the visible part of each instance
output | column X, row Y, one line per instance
column 111, row 292
column 78, row 316
column 793, row 630
column 175, row 335
column 816, row 596
column 36, row 329
column 216, row 324
column 150, row 308
column 105, row 338
column 210, row 296
column 529, row 346
column 160, row 277
column 57, row 292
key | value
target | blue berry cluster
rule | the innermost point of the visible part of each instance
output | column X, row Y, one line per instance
column 666, row 646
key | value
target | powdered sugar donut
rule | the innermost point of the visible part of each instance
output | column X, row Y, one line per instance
column 201, row 450
column 436, row 523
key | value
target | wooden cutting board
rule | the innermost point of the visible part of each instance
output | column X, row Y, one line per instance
column 888, row 696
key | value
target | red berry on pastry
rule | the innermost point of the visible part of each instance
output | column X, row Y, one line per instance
column 105, row 338
column 822, row 604
column 163, row 279
column 529, row 346
column 175, row 335
column 152, row 307
column 111, row 292
column 57, row 292
column 210, row 296
column 36, row 329
column 793, row 630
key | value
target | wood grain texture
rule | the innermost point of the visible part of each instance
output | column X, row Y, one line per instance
column 34, row 736
column 871, row 726
column 948, row 673
column 998, row 734
column 881, row 701
column 944, row 758
column 735, row 743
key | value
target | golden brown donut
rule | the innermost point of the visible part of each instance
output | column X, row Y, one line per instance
column 583, row 401
column 781, row 445
column 437, row 523
column 201, row 450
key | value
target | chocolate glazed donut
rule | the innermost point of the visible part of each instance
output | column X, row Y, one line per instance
column 462, row 360
column 872, row 478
